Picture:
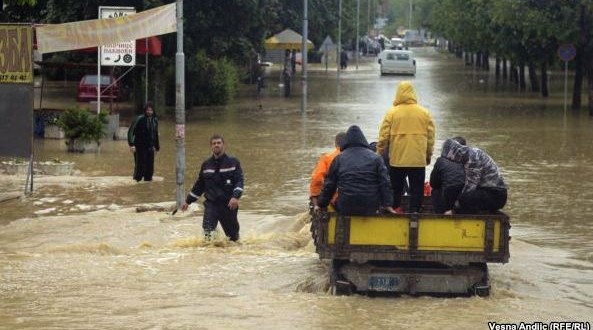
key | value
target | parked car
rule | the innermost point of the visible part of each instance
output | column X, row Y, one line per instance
column 397, row 43
column 397, row 62
column 87, row 88
column 413, row 38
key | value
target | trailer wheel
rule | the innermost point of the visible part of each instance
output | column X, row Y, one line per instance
column 341, row 288
column 338, row 285
column 482, row 290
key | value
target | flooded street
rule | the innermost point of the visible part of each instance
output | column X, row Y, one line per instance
column 76, row 255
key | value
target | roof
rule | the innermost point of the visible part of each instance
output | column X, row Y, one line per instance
column 287, row 39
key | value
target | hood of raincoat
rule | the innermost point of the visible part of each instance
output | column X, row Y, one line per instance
column 355, row 138
column 455, row 151
column 406, row 94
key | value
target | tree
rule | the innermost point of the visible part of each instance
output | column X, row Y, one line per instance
column 526, row 32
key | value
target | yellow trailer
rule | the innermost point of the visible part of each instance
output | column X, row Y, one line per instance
column 417, row 253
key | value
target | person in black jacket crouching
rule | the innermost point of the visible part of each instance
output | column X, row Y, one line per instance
column 446, row 180
column 221, row 181
column 360, row 176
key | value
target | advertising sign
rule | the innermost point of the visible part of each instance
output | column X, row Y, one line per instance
column 16, row 126
column 119, row 53
column 16, row 90
column 16, row 54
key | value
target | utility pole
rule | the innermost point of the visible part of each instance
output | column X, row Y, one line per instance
column 146, row 71
column 304, row 57
column 339, row 36
column 179, row 110
column 410, row 18
column 357, row 30
column 368, row 23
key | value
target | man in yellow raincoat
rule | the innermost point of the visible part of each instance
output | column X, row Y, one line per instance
column 408, row 131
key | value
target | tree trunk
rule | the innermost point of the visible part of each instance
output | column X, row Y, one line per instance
column 479, row 60
column 590, row 87
column 590, row 105
column 522, row 84
column 486, row 61
column 579, row 59
column 497, row 67
column 545, row 91
column 578, row 79
column 513, row 77
column 467, row 59
column 504, row 69
column 458, row 52
column 533, row 78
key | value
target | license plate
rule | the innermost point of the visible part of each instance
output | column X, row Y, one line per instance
column 383, row 283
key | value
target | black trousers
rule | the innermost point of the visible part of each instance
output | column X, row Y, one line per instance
column 444, row 199
column 215, row 212
column 482, row 200
column 416, row 177
column 143, row 163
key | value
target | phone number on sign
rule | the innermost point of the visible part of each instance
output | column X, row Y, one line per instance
column 13, row 77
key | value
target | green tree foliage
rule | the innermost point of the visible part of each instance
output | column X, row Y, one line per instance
column 211, row 81
column 322, row 19
column 470, row 26
column 21, row 11
column 399, row 14
column 530, row 30
column 527, row 32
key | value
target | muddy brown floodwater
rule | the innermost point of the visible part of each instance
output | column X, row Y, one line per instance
column 76, row 255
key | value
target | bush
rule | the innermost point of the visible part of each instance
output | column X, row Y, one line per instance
column 80, row 124
column 207, row 81
column 211, row 82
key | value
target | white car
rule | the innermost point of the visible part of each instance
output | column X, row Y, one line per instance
column 397, row 62
column 397, row 43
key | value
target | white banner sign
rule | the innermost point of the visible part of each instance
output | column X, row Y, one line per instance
column 76, row 35
column 119, row 53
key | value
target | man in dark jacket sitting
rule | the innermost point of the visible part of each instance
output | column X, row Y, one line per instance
column 446, row 180
column 360, row 176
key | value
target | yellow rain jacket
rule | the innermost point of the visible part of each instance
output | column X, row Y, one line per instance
column 407, row 129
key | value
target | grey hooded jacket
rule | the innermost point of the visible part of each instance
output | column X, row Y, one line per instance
column 480, row 169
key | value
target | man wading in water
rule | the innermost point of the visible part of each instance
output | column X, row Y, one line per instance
column 221, row 181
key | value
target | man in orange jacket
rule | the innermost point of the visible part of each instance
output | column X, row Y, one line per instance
column 322, row 168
